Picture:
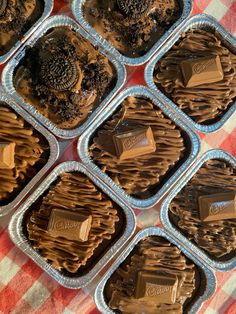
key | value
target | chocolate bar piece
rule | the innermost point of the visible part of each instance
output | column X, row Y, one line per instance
column 7, row 155
column 134, row 143
column 202, row 71
column 162, row 288
column 217, row 206
column 70, row 225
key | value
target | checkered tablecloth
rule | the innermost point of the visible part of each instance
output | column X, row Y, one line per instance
column 26, row 289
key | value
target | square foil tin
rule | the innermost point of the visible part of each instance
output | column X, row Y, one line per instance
column 16, row 227
column 175, row 232
column 77, row 9
column 53, row 145
column 48, row 6
column 207, row 290
column 7, row 76
column 200, row 21
column 83, row 146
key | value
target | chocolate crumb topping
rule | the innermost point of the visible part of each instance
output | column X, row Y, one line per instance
column 64, row 77
column 59, row 73
column 133, row 8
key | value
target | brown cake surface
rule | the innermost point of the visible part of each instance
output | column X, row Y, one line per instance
column 73, row 194
column 217, row 238
column 207, row 101
column 30, row 153
column 131, row 26
column 138, row 176
column 152, row 256
column 64, row 77
column 16, row 17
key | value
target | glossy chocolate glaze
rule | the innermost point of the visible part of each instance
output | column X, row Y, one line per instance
column 205, row 103
column 73, row 192
column 31, row 153
column 64, row 77
column 137, row 176
column 217, row 238
column 152, row 255
column 132, row 32
column 16, row 17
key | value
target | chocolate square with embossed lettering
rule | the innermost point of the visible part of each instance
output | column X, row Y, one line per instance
column 200, row 71
column 134, row 143
column 70, row 225
column 217, row 206
column 7, row 155
column 151, row 285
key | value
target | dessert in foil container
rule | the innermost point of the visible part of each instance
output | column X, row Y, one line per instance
column 132, row 26
column 155, row 274
column 73, row 224
column 64, row 77
column 139, row 147
column 204, row 210
column 16, row 18
column 199, row 75
column 23, row 152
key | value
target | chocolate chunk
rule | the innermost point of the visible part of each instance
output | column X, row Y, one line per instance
column 70, row 225
column 7, row 155
column 154, row 286
column 202, row 71
column 59, row 72
column 217, row 206
column 133, row 8
column 134, row 143
column 3, row 6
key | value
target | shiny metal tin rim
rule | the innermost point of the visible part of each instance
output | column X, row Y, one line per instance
column 7, row 76
column 48, row 6
column 16, row 228
column 201, row 21
column 210, row 277
column 220, row 266
column 83, row 147
column 78, row 13
column 54, row 152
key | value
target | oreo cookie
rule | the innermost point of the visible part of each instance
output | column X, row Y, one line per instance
column 133, row 8
column 59, row 73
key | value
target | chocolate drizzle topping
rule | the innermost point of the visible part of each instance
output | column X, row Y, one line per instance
column 3, row 6
column 133, row 8
column 217, row 238
column 29, row 152
column 59, row 72
column 76, row 193
column 138, row 176
column 152, row 255
column 205, row 103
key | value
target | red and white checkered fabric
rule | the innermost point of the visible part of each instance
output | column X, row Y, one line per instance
column 26, row 289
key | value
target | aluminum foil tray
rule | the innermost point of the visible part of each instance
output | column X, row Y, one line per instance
column 7, row 76
column 209, row 282
column 84, row 141
column 200, row 21
column 53, row 145
column 16, row 228
column 164, row 213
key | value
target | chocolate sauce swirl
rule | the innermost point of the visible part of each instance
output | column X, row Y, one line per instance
column 73, row 192
column 217, row 238
column 138, row 175
column 155, row 255
column 29, row 152
column 205, row 103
